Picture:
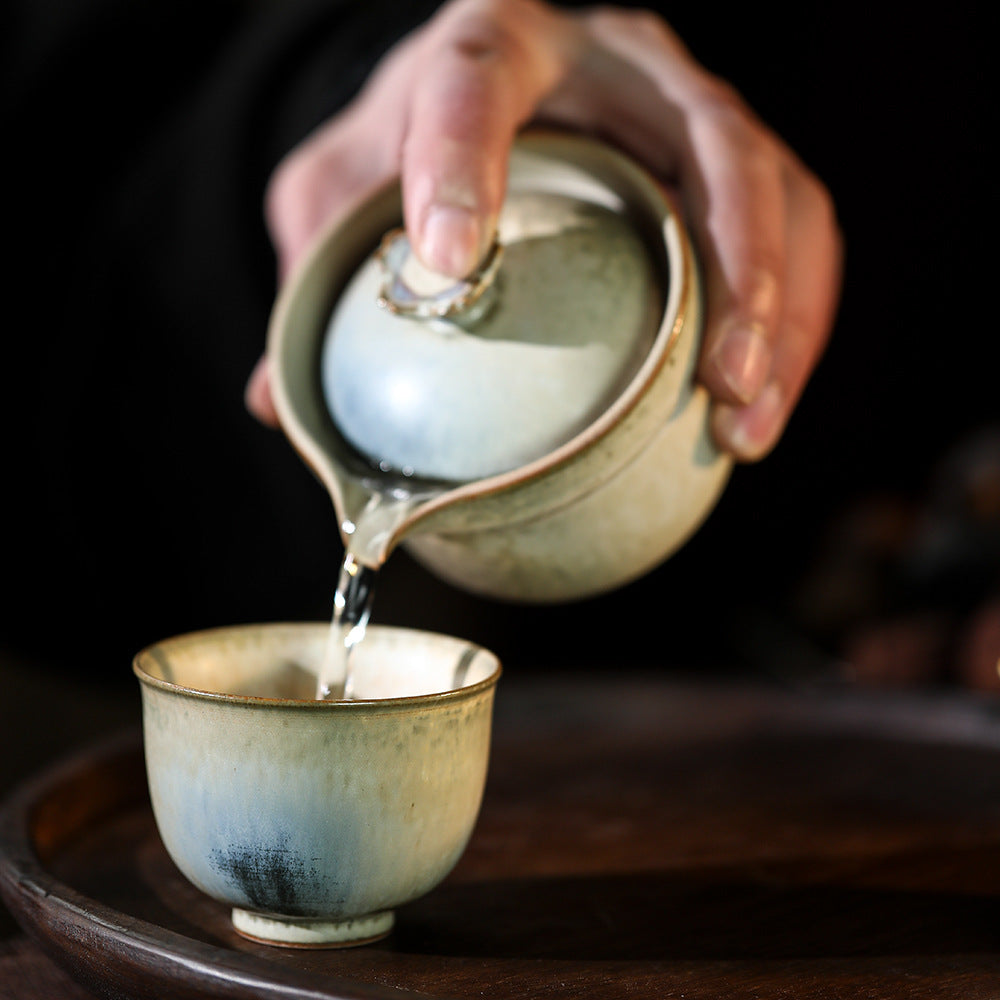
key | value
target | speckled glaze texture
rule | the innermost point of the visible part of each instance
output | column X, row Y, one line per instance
column 597, row 511
column 314, row 820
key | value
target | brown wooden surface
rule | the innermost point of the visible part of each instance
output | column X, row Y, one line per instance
column 650, row 838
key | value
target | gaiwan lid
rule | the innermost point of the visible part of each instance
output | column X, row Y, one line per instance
column 463, row 381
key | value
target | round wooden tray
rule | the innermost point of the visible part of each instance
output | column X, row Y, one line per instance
column 642, row 838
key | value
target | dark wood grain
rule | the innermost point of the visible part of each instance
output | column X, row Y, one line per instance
column 649, row 838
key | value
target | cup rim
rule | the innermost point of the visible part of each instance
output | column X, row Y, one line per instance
column 152, row 652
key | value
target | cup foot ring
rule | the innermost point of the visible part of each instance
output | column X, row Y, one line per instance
column 312, row 932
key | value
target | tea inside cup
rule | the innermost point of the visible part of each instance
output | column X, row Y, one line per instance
column 314, row 820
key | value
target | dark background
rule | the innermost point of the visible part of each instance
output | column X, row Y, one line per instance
column 141, row 500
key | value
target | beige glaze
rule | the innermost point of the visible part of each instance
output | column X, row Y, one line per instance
column 596, row 512
column 314, row 820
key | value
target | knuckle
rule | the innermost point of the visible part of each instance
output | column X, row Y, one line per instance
column 762, row 277
column 818, row 201
column 483, row 30
column 718, row 99
column 826, row 208
column 293, row 190
column 481, row 39
column 631, row 23
column 722, row 112
column 646, row 21
column 720, row 106
column 285, row 185
column 638, row 19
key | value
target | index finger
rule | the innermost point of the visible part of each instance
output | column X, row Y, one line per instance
column 484, row 68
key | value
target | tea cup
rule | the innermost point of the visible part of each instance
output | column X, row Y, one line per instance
column 314, row 820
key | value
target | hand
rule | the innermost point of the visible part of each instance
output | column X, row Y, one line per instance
column 444, row 106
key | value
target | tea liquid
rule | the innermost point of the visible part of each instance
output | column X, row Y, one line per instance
column 367, row 539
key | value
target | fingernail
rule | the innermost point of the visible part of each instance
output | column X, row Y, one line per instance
column 451, row 240
column 750, row 432
column 743, row 359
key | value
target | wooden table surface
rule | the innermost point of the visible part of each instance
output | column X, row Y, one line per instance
column 645, row 836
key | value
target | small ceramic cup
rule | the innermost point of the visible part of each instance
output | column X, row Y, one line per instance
column 312, row 819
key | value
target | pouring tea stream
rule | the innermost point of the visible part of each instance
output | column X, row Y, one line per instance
column 532, row 434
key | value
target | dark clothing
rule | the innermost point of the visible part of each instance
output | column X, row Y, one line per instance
column 142, row 500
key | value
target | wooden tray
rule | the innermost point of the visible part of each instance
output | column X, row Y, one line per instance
column 645, row 838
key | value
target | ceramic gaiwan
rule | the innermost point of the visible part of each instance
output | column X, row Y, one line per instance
column 315, row 820
column 536, row 429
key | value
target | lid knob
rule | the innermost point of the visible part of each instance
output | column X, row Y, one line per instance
column 411, row 289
